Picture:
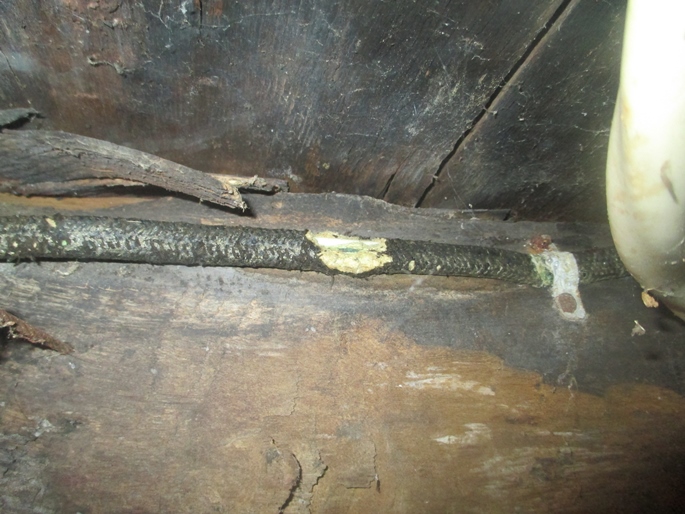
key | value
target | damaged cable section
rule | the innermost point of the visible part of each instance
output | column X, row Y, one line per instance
column 125, row 240
column 88, row 238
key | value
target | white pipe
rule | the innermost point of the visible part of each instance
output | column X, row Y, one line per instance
column 646, row 161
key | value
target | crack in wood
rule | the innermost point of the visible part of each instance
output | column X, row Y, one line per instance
column 13, row 73
column 297, row 483
column 562, row 9
column 384, row 193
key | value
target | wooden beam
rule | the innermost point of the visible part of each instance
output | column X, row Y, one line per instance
column 197, row 389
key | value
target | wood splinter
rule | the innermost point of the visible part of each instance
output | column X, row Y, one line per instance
column 19, row 329
column 42, row 162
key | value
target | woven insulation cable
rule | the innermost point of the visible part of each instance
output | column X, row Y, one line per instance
column 86, row 238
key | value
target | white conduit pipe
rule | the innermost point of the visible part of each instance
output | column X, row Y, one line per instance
column 646, row 160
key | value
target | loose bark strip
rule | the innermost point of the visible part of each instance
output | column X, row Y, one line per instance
column 31, row 159
column 254, row 184
column 85, row 187
column 19, row 329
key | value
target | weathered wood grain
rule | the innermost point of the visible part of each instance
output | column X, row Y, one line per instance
column 35, row 161
column 191, row 386
column 348, row 214
column 541, row 148
column 338, row 96
column 204, row 389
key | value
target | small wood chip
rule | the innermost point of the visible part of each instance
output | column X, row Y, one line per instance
column 649, row 300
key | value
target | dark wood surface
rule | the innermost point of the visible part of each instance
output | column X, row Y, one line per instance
column 541, row 149
column 356, row 97
column 226, row 390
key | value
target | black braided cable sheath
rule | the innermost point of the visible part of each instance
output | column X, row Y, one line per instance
column 600, row 264
column 86, row 238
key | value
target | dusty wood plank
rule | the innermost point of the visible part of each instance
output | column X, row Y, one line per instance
column 614, row 301
column 464, row 314
column 209, row 389
column 332, row 96
column 541, row 150
column 348, row 214
column 206, row 389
